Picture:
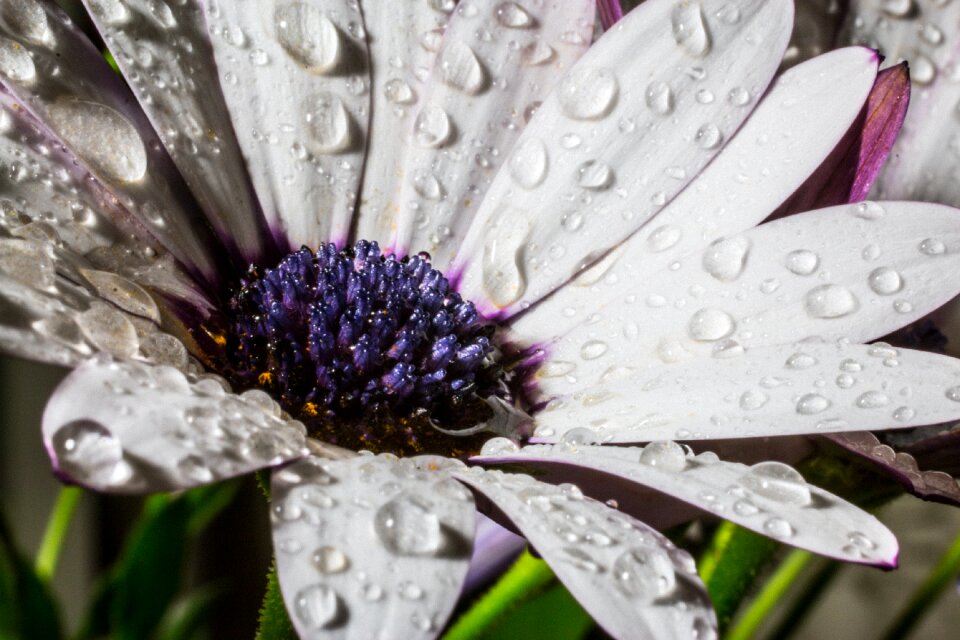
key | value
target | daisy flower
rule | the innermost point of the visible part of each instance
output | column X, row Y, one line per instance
column 307, row 228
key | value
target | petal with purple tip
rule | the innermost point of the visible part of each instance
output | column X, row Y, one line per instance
column 770, row 498
column 370, row 546
column 127, row 427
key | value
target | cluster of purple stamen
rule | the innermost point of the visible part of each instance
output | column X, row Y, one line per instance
column 345, row 332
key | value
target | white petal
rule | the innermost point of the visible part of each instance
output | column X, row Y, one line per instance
column 370, row 546
column 856, row 271
column 769, row 497
column 296, row 79
column 88, row 109
column 631, row 579
column 164, row 52
column 794, row 127
column 769, row 391
column 622, row 141
column 497, row 63
column 400, row 60
column 127, row 427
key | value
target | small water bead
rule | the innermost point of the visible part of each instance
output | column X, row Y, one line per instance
column 645, row 572
column 663, row 238
column 778, row 482
column 885, row 281
column 904, row 414
column 102, row 137
column 708, row 324
column 580, row 436
column 372, row 592
column 726, row 258
column 317, row 607
column 328, row 122
column 528, row 164
column 432, row 128
column 499, row 446
column 588, row 93
column 307, row 36
column 664, row 455
column 931, row 33
column 902, row 306
column 689, row 29
column 811, row 404
column 738, row 97
column 594, row 175
column 15, row 62
column 802, row 262
column 867, row 210
column 845, row 381
column 113, row 12
column 922, row 69
column 572, row 221
column 753, row 400
column 398, row 91
column 953, row 393
column 194, row 469
column 460, row 69
column 259, row 57
column 659, row 97
column 28, row 19
column 932, row 247
column 537, row 53
column 708, row 136
column 745, row 508
column 778, row 528
column 409, row 590
column 89, row 452
column 513, row 16
column 830, row 301
column 593, row 349
column 427, row 185
column 407, row 525
column 799, row 361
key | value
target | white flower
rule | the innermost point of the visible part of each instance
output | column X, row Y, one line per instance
column 601, row 204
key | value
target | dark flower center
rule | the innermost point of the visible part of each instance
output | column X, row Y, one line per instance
column 368, row 350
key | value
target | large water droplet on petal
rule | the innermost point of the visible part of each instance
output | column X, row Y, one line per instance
column 398, row 91
column 88, row 452
column 659, row 97
column 27, row 262
column 830, row 301
column 885, row 281
column 594, row 175
column 109, row 330
column 726, row 258
column 778, row 482
column 528, row 164
column 329, row 560
column 328, row 123
column 308, row 36
column 689, row 29
column 588, row 93
column 645, row 573
column 106, row 140
column 802, row 262
column 28, row 19
column 710, row 324
column 432, row 127
column 666, row 456
column 512, row 15
column 460, row 68
column 812, row 403
column 317, row 606
column 112, row 12
column 15, row 62
column 406, row 525
column 503, row 277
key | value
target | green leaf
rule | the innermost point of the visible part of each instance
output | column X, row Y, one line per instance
column 554, row 614
column 188, row 617
column 274, row 622
column 138, row 591
column 27, row 608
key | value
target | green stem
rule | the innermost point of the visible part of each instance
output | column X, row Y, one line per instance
column 525, row 578
column 772, row 592
column 56, row 531
column 793, row 620
column 928, row 593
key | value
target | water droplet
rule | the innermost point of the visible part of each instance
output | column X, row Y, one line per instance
column 885, row 281
column 88, row 452
column 659, row 97
column 28, row 263
column 802, row 262
column 593, row 349
column 113, row 12
column 738, row 97
column 459, row 68
column 109, row 330
column 922, row 69
column 528, row 164
column 902, row 306
column 317, row 606
column 580, row 436
column 896, row 8
column 745, row 508
column 432, row 127
column 328, row 123
column 307, row 36
column 664, row 455
column 662, row 238
column 953, row 393
column 194, row 470
column 502, row 276
column 932, row 247
column 588, row 93
column 872, row 400
column 537, row 53
column 708, row 136
column 499, row 446
column 753, row 400
column 867, row 210
column 427, row 185
column 904, row 414
column 799, row 361
column 512, row 15
column 778, row 482
column 407, row 525
column 27, row 19
column 409, row 590
column 398, row 91
column 778, row 528
column 725, row 259
column 594, row 175
column 710, row 324
column 830, row 301
column 106, row 140
column 811, row 404
column 645, row 573
column 15, row 62
column 689, row 29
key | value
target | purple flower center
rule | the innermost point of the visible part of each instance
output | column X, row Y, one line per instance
column 350, row 336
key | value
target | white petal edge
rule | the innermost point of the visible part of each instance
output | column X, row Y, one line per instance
column 370, row 546
column 769, row 497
